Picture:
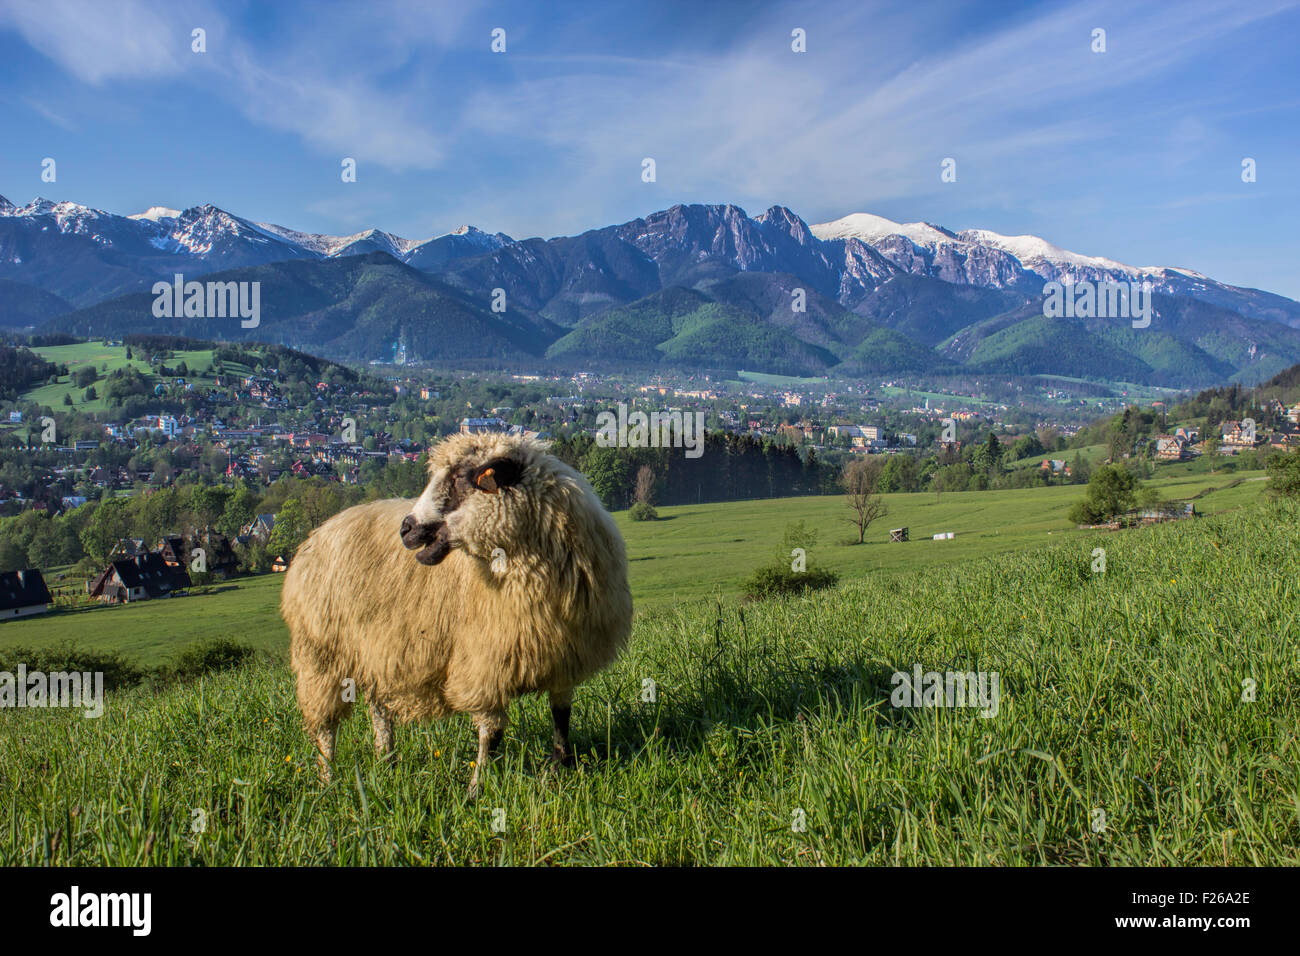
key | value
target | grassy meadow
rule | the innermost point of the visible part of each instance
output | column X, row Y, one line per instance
column 1121, row 735
column 694, row 554
column 104, row 359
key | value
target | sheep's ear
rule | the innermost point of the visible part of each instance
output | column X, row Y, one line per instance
column 497, row 474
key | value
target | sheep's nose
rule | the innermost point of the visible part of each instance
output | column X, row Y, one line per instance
column 417, row 535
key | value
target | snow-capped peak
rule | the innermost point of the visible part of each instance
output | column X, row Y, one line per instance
column 869, row 228
column 40, row 206
column 6, row 207
column 154, row 213
column 488, row 240
column 327, row 246
column 1031, row 250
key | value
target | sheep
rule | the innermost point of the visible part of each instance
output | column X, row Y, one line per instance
column 518, row 585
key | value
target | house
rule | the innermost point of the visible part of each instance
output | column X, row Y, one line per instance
column 218, row 554
column 173, row 551
column 1172, row 448
column 279, row 564
column 139, row 578
column 1172, row 511
column 474, row 426
column 1237, row 435
column 128, row 548
column 260, row 527
column 168, row 425
column 860, row 435
column 1056, row 466
column 23, row 593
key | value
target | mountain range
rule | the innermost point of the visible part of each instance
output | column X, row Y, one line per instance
column 693, row 286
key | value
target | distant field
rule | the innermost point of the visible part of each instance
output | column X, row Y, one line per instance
column 695, row 553
column 936, row 397
column 98, row 355
column 763, row 378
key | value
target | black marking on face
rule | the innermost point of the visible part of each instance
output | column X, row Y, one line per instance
column 434, row 539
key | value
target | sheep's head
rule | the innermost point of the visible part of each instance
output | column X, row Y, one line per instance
column 477, row 489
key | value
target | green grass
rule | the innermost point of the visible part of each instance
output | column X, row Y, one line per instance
column 939, row 399
column 764, row 378
column 695, row 553
column 99, row 355
column 705, row 551
column 153, row 632
column 1121, row 693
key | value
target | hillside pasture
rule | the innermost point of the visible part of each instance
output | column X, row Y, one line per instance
column 1123, row 735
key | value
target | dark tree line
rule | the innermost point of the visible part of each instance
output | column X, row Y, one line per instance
column 731, row 468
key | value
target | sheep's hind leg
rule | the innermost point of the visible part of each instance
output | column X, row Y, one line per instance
column 561, row 707
column 381, row 720
column 491, row 728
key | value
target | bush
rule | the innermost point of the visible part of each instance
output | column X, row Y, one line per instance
column 778, row 580
column 1284, row 474
column 641, row 511
column 206, row 657
column 117, row 670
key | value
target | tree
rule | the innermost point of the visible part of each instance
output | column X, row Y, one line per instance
column 608, row 474
column 644, row 490
column 859, row 480
column 1112, row 491
column 986, row 459
column 1284, row 474
column 1029, row 446
column 1210, row 450
column 108, row 525
column 291, row 528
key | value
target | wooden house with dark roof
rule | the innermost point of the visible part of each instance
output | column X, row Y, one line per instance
column 173, row 551
column 23, row 593
column 139, row 578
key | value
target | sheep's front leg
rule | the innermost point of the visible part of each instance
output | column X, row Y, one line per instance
column 382, row 723
column 561, row 707
column 491, row 728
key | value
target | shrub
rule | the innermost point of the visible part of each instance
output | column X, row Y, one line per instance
column 643, row 511
column 206, row 657
column 778, row 580
column 117, row 670
column 1284, row 474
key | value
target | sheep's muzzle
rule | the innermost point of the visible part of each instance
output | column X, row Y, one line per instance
column 432, row 539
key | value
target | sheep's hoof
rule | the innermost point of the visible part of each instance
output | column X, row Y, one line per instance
column 472, row 794
column 560, row 758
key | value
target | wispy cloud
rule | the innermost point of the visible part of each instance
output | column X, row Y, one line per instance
column 548, row 138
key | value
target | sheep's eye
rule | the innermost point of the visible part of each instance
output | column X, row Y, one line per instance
column 486, row 482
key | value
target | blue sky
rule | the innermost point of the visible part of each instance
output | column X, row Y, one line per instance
column 1134, row 153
